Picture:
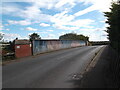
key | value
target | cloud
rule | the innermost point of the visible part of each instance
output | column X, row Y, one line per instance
column 89, row 9
column 50, row 30
column 65, row 20
column 44, row 25
column 68, row 22
column 38, row 33
column 62, row 17
column 34, row 11
column 73, row 24
column 27, row 13
column 97, row 37
column 81, row 22
column 1, row 26
column 50, row 36
column 48, row 4
column 7, row 29
column 61, row 33
column 22, row 22
column 106, row 25
column 94, row 34
column 10, row 36
column 100, row 5
column 10, row 8
column 67, row 4
column 43, row 32
column 31, row 29
column 61, row 3
column 63, row 27
column 31, row 12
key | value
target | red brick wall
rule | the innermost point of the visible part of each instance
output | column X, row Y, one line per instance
column 22, row 50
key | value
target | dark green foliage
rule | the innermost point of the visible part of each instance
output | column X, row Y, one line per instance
column 34, row 36
column 113, row 19
column 73, row 36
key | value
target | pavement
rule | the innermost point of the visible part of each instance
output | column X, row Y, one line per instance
column 97, row 74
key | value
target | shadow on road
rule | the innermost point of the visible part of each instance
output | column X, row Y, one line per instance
column 99, row 74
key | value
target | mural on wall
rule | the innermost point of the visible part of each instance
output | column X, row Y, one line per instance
column 40, row 46
column 53, row 45
column 75, row 44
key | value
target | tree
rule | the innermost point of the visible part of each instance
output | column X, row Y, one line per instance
column 113, row 19
column 73, row 36
column 34, row 36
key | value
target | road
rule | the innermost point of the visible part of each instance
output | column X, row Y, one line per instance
column 59, row 69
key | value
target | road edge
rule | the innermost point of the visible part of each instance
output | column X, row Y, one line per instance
column 94, row 59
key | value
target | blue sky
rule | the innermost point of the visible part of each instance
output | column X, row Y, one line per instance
column 52, row 18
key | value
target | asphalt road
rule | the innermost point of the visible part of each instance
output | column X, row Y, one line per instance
column 59, row 69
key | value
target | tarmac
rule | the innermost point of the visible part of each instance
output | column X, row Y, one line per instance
column 98, row 73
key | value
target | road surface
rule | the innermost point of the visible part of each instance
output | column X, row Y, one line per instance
column 59, row 69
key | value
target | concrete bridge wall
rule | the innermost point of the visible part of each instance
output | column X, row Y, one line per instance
column 40, row 46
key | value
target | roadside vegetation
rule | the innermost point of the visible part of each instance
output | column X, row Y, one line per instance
column 7, row 51
column 113, row 19
column 73, row 36
column 34, row 36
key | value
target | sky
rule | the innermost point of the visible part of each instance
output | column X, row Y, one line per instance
column 53, row 18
